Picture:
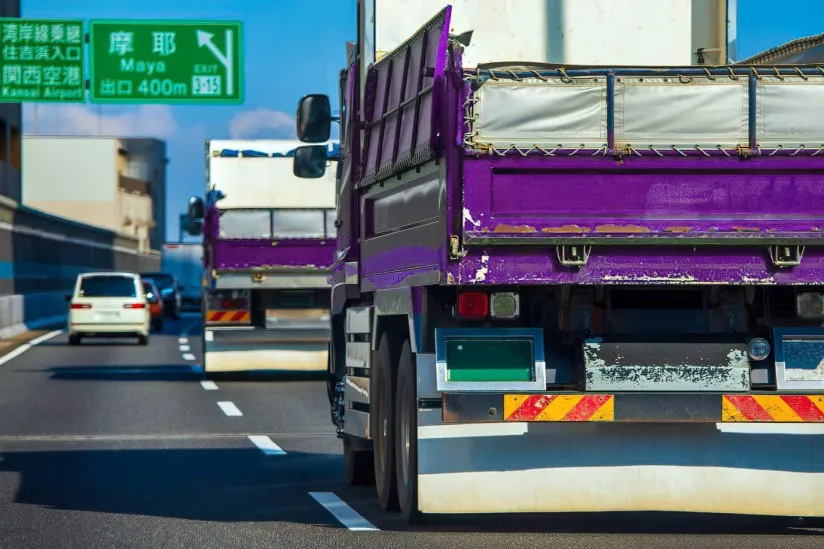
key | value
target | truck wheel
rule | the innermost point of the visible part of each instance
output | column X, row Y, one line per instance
column 406, row 437
column 359, row 465
column 382, row 425
column 74, row 339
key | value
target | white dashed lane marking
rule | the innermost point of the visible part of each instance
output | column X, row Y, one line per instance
column 209, row 385
column 267, row 445
column 185, row 348
column 188, row 356
column 342, row 512
column 230, row 409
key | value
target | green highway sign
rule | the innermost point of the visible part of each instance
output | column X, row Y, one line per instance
column 41, row 61
column 166, row 61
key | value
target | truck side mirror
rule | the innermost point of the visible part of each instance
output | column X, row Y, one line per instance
column 310, row 161
column 195, row 215
column 314, row 118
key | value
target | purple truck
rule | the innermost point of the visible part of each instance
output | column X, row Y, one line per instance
column 576, row 288
column 268, row 245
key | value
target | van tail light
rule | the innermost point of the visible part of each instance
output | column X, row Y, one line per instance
column 134, row 306
column 81, row 306
column 473, row 305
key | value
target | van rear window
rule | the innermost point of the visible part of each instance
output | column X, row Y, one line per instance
column 108, row 286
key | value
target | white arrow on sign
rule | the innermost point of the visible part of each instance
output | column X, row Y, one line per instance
column 205, row 39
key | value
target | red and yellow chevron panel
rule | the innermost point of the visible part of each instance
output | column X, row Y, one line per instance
column 228, row 316
column 773, row 408
column 559, row 408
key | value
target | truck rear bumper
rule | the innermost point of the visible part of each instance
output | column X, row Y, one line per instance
column 702, row 465
column 631, row 408
column 233, row 349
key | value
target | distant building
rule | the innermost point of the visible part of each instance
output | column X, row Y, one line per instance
column 114, row 183
column 10, row 129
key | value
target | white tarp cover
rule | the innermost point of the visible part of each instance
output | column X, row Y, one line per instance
column 663, row 113
column 546, row 113
column 298, row 224
column 790, row 112
column 653, row 112
column 245, row 224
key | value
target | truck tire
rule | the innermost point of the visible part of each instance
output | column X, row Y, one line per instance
column 406, row 436
column 359, row 465
column 382, row 424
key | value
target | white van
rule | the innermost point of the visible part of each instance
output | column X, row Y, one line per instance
column 108, row 305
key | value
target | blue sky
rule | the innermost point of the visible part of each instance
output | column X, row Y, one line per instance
column 292, row 47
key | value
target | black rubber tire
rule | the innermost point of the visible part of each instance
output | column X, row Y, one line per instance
column 382, row 424
column 406, row 426
column 359, row 465
column 74, row 339
column 142, row 340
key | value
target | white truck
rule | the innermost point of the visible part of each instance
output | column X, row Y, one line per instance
column 268, row 247
column 184, row 261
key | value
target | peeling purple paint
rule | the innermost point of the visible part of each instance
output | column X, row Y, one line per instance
column 639, row 265
column 644, row 197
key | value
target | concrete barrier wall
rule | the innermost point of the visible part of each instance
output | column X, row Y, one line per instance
column 40, row 258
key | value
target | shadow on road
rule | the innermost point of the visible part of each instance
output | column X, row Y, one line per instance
column 225, row 485
column 171, row 372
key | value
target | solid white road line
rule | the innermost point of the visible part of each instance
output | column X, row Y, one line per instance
column 341, row 511
column 185, row 348
column 26, row 346
column 267, row 445
column 208, row 385
column 229, row 409
column 188, row 356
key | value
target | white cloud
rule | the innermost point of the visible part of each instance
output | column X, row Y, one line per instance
column 144, row 121
column 264, row 123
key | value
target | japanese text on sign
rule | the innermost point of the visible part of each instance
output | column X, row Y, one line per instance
column 42, row 60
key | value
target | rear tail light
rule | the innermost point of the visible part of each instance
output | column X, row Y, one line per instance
column 134, row 306
column 809, row 305
column 504, row 305
column 473, row 305
column 80, row 306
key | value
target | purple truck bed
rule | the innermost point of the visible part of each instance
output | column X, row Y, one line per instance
column 664, row 175
column 294, row 255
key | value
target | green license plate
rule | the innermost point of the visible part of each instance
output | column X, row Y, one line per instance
column 489, row 360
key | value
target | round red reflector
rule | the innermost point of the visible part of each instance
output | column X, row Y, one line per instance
column 473, row 305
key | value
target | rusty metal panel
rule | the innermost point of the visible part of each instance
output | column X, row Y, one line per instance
column 666, row 366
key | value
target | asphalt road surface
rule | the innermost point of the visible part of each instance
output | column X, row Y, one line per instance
column 115, row 445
